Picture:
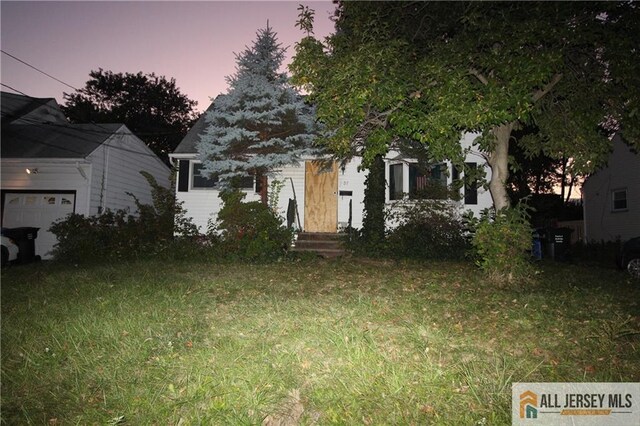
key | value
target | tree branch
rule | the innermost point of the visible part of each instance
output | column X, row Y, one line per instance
column 538, row 94
column 477, row 74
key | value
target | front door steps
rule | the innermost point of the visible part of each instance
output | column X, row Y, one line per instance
column 322, row 243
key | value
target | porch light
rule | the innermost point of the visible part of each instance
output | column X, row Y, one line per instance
column 31, row 171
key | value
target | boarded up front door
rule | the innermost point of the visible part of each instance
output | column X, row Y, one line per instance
column 320, row 198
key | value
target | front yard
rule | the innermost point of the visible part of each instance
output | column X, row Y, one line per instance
column 350, row 342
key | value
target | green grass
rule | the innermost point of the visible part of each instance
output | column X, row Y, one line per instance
column 324, row 342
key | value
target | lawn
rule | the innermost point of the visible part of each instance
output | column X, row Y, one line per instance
column 309, row 342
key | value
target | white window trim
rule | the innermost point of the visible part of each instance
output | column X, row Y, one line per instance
column 626, row 198
column 192, row 166
column 405, row 178
column 193, row 163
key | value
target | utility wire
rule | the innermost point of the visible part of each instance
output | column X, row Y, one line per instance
column 15, row 90
column 85, row 131
column 37, row 69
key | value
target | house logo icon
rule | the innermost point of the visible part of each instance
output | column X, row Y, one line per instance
column 528, row 405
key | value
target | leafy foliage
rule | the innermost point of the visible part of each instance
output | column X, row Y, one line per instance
column 428, row 229
column 262, row 123
column 428, row 71
column 118, row 235
column 373, row 223
column 152, row 107
column 250, row 231
column 502, row 243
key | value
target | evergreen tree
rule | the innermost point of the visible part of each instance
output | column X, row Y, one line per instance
column 261, row 124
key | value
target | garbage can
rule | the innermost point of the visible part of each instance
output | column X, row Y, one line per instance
column 559, row 243
column 536, row 247
column 25, row 239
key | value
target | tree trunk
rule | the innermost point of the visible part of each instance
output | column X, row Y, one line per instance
column 264, row 195
column 499, row 163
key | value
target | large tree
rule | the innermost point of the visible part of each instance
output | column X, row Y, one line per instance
column 152, row 107
column 428, row 71
column 261, row 124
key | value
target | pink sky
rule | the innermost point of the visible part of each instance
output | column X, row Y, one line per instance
column 193, row 42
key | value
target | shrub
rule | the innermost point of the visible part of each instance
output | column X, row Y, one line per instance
column 502, row 244
column 428, row 229
column 120, row 235
column 250, row 231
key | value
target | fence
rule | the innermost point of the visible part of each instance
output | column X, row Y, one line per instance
column 578, row 230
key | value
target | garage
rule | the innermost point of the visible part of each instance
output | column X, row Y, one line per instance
column 40, row 210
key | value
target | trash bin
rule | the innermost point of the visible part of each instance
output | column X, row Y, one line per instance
column 25, row 239
column 536, row 247
column 559, row 243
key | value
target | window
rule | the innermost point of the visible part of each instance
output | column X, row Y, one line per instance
column 471, row 187
column 395, row 182
column 428, row 182
column 199, row 180
column 619, row 199
column 245, row 182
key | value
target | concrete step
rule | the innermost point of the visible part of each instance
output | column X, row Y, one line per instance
column 327, row 245
column 324, row 236
column 319, row 244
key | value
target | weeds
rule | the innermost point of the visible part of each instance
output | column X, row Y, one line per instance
column 312, row 342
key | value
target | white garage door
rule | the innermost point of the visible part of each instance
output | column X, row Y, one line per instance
column 38, row 210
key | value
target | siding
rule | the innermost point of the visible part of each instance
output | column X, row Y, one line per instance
column 292, row 177
column 203, row 205
column 473, row 156
column 350, row 179
column 622, row 171
column 53, row 175
column 117, row 166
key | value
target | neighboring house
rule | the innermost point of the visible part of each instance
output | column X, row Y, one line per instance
column 611, row 197
column 327, row 200
column 51, row 168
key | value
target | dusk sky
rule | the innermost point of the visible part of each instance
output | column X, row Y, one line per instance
column 193, row 42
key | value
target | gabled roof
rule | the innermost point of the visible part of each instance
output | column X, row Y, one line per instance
column 188, row 144
column 50, row 140
column 25, row 109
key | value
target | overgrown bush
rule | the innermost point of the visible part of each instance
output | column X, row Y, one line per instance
column 428, row 229
column 120, row 235
column 502, row 244
column 250, row 231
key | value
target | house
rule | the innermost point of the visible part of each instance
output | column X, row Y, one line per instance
column 51, row 168
column 611, row 197
column 327, row 200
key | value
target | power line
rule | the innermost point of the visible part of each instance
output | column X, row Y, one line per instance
column 38, row 69
column 104, row 131
column 15, row 90
column 82, row 133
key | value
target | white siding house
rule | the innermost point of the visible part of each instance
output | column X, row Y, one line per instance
column 326, row 202
column 52, row 168
column 611, row 197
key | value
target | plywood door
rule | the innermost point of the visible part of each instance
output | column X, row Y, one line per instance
column 320, row 198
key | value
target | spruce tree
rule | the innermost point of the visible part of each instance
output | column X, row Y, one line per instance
column 261, row 124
